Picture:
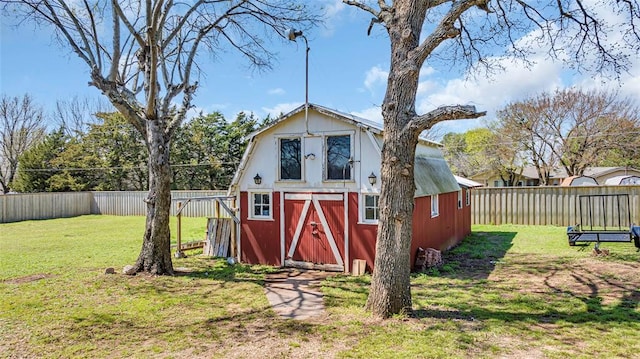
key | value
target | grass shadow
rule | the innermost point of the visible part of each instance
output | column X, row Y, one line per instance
column 218, row 269
column 476, row 257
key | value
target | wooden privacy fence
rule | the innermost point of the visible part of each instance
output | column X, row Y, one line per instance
column 131, row 203
column 22, row 207
column 555, row 206
column 515, row 205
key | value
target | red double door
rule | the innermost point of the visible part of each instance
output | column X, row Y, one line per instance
column 314, row 230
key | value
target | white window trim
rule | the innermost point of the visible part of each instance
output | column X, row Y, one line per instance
column 468, row 197
column 325, row 159
column 302, row 161
column 363, row 219
column 253, row 217
column 435, row 206
column 460, row 204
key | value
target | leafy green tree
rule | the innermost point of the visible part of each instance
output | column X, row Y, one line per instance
column 208, row 149
column 195, row 153
column 457, row 155
column 625, row 150
column 36, row 164
column 121, row 151
column 76, row 168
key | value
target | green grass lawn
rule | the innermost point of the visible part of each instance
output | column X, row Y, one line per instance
column 507, row 291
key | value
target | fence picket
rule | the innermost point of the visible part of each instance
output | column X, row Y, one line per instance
column 551, row 205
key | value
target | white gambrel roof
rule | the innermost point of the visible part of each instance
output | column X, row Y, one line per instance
column 373, row 126
column 431, row 172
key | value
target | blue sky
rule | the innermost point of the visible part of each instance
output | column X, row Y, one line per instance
column 347, row 72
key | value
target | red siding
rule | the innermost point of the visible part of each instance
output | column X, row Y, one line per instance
column 362, row 237
column 260, row 239
column 441, row 232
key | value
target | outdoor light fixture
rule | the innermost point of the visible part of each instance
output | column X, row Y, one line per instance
column 310, row 156
column 257, row 179
column 372, row 179
column 293, row 35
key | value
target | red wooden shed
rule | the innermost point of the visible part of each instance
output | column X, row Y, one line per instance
column 308, row 188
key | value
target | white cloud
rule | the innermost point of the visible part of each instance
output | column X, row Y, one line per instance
column 280, row 108
column 333, row 15
column 426, row 87
column 426, row 71
column 374, row 77
column 515, row 82
column 371, row 113
column 334, row 8
column 276, row 91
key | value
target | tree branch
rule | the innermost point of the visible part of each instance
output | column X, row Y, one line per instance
column 364, row 7
column 443, row 113
column 118, row 10
column 115, row 57
column 445, row 29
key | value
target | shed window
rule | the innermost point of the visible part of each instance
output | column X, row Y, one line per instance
column 435, row 207
column 339, row 157
column 468, row 197
column 260, row 205
column 371, row 209
column 290, row 159
column 459, row 199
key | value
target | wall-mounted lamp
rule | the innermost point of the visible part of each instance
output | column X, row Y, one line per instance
column 372, row 179
column 257, row 179
column 310, row 156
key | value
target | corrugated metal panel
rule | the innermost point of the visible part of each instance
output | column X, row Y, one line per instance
column 433, row 176
column 22, row 207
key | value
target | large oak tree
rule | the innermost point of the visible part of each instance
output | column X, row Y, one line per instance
column 143, row 56
column 466, row 31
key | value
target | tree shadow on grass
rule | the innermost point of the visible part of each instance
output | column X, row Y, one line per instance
column 624, row 312
column 476, row 257
column 542, row 290
column 219, row 269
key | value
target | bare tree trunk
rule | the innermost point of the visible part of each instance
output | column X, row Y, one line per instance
column 390, row 291
column 390, row 287
column 155, row 256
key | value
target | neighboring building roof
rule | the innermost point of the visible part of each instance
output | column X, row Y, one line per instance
column 467, row 183
column 623, row 180
column 579, row 181
column 530, row 172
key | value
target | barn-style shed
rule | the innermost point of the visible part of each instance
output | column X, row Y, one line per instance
column 308, row 188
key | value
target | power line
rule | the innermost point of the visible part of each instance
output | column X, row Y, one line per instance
column 80, row 169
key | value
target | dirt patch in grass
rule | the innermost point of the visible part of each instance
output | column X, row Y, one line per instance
column 590, row 277
column 27, row 279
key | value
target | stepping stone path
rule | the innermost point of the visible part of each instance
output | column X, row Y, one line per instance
column 295, row 293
